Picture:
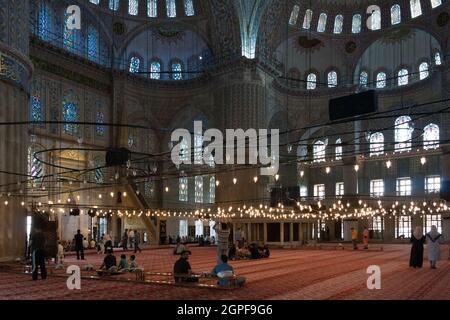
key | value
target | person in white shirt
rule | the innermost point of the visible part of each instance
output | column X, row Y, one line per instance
column 85, row 244
column 60, row 256
column 131, row 238
column 223, row 234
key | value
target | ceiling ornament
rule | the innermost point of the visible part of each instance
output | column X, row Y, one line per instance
column 398, row 35
column 306, row 44
column 168, row 33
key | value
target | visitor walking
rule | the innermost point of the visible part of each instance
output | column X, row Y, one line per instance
column 366, row 238
column 223, row 234
column 125, row 240
column 38, row 254
column 354, row 238
column 433, row 246
column 137, row 240
column 79, row 248
column 417, row 240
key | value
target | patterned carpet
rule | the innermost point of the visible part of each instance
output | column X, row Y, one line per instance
column 287, row 275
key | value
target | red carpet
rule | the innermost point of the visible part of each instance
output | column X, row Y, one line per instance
column 288, row 274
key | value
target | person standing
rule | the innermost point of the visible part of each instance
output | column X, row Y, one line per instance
column 79, row 248
column 433, row 246
column 354, row 238
column 366, row 238
column 137, row 240
column 417, row 240
column 125, row 240
column 131, row 238
column 38, row 254
column 223, row 234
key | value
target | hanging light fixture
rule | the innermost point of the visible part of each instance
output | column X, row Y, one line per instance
column 234, row 180
column 423, row 160
column 388, row 164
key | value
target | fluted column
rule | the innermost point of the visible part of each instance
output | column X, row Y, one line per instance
column 15, row 72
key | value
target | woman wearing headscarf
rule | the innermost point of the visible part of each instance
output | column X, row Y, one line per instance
column 433, row 246
column 417, row 240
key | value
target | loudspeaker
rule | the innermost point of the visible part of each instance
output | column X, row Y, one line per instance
column 445, row 190
column 117, row 157
column 354, row 105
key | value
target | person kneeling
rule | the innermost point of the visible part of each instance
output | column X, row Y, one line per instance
column 182, row 270
column 225, row 272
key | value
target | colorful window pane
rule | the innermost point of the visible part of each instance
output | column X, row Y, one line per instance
column 294, row 15
column 100, row 119
column 403, row 77
column 322, row 23
column 152, row 8
column 36, row 109
column 70, row 114
column 135, row 63
column 189, row 8
column 133, row 7
column 332, row 79
column 396, row 14
column 431, row 137
column 356, row 23
column 416, row 8
column 363, row 79
column 171, row 8
column 114, row 5
column 423, row 71
column 381, row 80
column 176, row 71
column 311, row 82
column 338, row 24
column 92, row 43
column 155, row 70
column 376, row 144
column 307, row 19
column 403, row 134
column 44, row 27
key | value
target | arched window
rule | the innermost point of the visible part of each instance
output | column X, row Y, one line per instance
column 176, row 68
column 70, row 114
column 36, row 111
column 155, row 70
column 396, row 14
column 403, row 77
column 435, row 3
column 199, row 189
column 45, row 22
column 198, row 228
column 70, row 37
column 189, row 8
column 183, row 228
column 133, row 7
column 322, row 23
column 431, row 137
column 99, row 178
column 212, row 189
column 338, row 24
column 338, row 149
column 319, row 151
column 92, row 43
column 363, row 79
column 403, row 134
column 294, row 15
column 416, row 8
column 381, row 80
column 375, row 20
column 423, row 71
column 332, row 79
column 307, row 19
column 152, row 8
column 94, row 1
column 135, row 64
column 100, row 128
column 35, row 167
column 184, row 151
column 376, row 144
column 114, row 5
column 171, row 8
column 183, row 189
column 311, row 81
column 356, row 23
column 437, row 59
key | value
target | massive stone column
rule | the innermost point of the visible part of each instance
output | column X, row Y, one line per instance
column 15, row 71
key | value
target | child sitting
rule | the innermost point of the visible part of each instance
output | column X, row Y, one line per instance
column 123, row 263
column 133, row 263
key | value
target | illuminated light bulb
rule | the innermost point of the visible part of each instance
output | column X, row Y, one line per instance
column 277, row 176
column 388, row 164
column 6, row 203
column 255, row 179
column 22, row 203
column 356, row 167
column 68, row 199
column 302, row 173
column 59, row 200
column 78, row 198
column 100, row 196
column 167, row 189
column 217, row 183
column 327, row 170
column 124, row 194
column 111, row 194
column 423, row 160
column 234, row 180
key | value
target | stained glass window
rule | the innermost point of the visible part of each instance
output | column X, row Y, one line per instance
column 403, row 77
column 403, row 134
column 311, row 82
column 135, row 63
column 176, row 71
column 152, row 8
column 381, row 80
column 356, row 23
column 198, row 148
column 338, row 24
column 94, row 1
column 416, row 8
column 100, row 119
column 184, row 151
column 294, row 15
column 437, row 59
column 322, row 23
column 92, row 43
column 396, row 14
column 332, row 79
column 35, row 167
column 183, row 189
column 307, row 19
column 189, row 8
column 338, row 149
column 99, row 178
column 70, row 114
column 212, row 189
column 199, row 189
column 114, row 5
column 44, row 27
column 363, row 79
column 376, row 144
column 133, row 7
column 70, row 37
column 319, row 151
column 431, row 137
column 375, row 20
column 171, row 8
column 155, row 70
column 36, row 109
column 423, row 71
column 435, row 3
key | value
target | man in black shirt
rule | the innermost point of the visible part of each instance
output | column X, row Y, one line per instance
column 38, row 254
column 79, row 245
column 182, row 269
column 109, row 261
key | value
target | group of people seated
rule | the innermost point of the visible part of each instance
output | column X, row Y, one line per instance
column 201, row 240
column 182, row 272
column 238, row 251
column 109, row 264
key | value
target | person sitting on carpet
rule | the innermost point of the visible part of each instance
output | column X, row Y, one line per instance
column 133, row 263
column 224, row 272
column 123, row 263
column 232, row 252
column 179, row 248
column 109, row 263
column 265, row 252
column 182, row 270
column 254, row 252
